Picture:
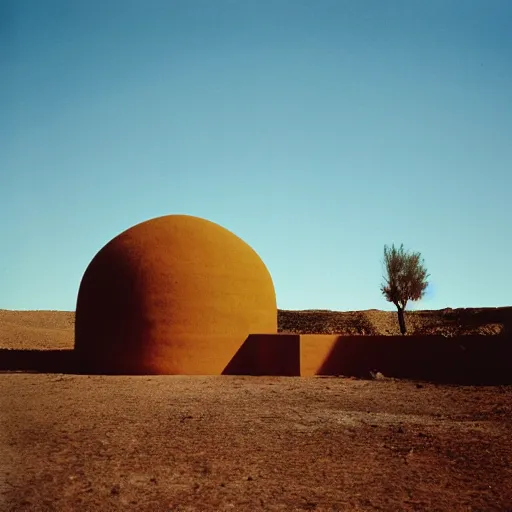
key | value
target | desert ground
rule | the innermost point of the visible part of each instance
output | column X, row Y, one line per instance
column 173, row 443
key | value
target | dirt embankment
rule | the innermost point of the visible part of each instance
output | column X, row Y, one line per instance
column 23, row 330
column 372, row 322
column 55, row 329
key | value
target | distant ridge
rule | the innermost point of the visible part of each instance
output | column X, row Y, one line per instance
column 51, row 330
column 447, row 321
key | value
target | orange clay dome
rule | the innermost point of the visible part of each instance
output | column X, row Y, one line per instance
column 172, row 295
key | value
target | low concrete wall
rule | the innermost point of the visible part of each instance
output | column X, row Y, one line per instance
column 459, row 360
column 462, row 359
column 267, row 354
column 314, row 351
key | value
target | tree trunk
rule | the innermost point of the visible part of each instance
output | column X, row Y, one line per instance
column 401, row 321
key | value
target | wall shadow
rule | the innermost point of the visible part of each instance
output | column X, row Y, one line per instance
column 267, row 354
column 469, row 360
column 40, row 361
column 66, row 361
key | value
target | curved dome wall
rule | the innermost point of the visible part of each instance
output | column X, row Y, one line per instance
column 172, row 295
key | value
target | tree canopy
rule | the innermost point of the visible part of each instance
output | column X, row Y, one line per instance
column 405, row 280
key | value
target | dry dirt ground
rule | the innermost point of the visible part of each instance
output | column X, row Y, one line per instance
column 170, row 443
column 246, row 443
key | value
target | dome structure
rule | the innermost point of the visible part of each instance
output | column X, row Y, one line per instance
column 172, row 295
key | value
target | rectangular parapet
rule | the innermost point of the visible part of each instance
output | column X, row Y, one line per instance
column 461, row 359
column 267, row 354
column 315, row 350
column 471, row 359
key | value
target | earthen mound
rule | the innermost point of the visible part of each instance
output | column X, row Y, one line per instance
column 172, row 295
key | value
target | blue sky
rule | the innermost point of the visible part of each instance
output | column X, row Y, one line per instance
column 317, row 131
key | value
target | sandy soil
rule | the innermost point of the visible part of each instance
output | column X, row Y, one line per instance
column 37, row 329
column 240, row 443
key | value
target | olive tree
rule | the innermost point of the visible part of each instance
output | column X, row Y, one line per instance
column 405, row 279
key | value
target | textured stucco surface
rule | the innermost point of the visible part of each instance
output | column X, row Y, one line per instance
column 172, row 295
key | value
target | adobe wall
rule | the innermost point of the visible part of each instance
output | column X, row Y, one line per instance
column 267, row 354
column 314, row 351
column 462, row 359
